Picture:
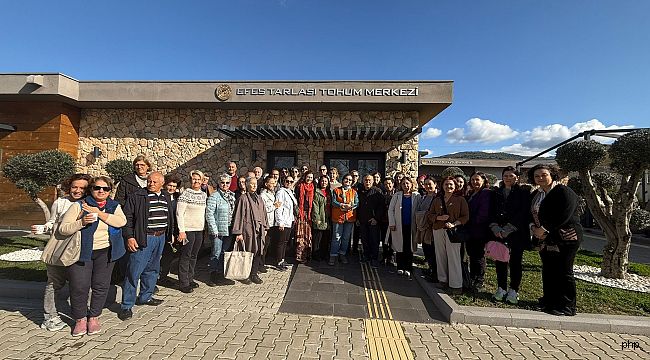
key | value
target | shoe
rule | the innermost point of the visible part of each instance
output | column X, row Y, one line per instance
column 332, row 260
column 80, row 327
column 222, row 281
column 374, row 264
column 166, row 281
column 441, row 285
column 408, row 274
column 262, row 270
column 156, row 290
column 125, row 314
column 53, row 324
column 194, row 284
column 512, row 297
column 568, row 312
column 151, row 302
column 93, row 326
column 186, row 289
column 400, row 272
column 246, row 281
column 344, row 259
column 499, row 294
column 554, row 312
column 455, row 291
column 256, row 279
column 213, row 279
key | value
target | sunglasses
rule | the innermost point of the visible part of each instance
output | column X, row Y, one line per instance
column 347, row 179
column 105, row 188
column 224, row 182
column 289, row 181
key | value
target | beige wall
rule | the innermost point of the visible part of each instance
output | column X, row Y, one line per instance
column 180, row 140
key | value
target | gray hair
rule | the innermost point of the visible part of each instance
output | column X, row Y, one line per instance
column 224, row 177
column 250, row 179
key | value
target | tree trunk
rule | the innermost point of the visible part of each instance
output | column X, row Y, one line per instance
column 617, row 250
column 46, row 210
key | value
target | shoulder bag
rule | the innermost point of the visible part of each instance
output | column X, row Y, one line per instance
column 62, row 250
column 237, row 263
column 457, row 234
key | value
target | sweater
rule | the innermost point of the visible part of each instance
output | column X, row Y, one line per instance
column 190, row 210
column 59, row 208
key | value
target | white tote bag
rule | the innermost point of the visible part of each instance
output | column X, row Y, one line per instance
column 237, row 264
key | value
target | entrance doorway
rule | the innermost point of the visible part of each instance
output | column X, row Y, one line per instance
column 364, row 162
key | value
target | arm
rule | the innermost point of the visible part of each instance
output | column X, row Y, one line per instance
column 70, row 222
column 54, row 214
column 391, row 211
column 181, row 206
column 355, row 201
column 316, row 210
column 120, row 194
column 128, row 231
column 463, row 218
column 335, row 201
column 559, row 209
column 210, row 209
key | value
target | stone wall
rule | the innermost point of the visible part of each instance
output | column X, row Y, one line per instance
column 180, row 140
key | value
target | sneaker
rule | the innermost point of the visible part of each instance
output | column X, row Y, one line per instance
column 332, row 260
column 80, row 327
column 53, row 324
column 93, row 326
column 400, row 272
column 408, row 274
column 344, row 259
column 499, row 294
column 512, row 297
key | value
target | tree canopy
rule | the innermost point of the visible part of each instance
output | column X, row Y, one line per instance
column 33, row 172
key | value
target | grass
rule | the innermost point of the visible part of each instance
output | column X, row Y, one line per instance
column 591, row 298
column 29, row 270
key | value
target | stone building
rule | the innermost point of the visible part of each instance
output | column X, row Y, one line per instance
column 181, row 126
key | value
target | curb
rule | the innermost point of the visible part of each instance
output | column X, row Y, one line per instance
column 458, row 314
column 17, row 291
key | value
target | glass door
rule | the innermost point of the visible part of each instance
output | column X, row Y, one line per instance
column 364, row 162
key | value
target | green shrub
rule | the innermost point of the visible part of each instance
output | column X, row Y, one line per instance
column 118, row 168
column 33, row 172
column 640, row 220
column 581, row 155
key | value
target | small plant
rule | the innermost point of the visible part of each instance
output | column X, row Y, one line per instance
column 118, row 168
column 640, row 220
column 453, row 172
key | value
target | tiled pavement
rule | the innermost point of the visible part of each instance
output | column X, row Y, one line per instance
column 243, row 322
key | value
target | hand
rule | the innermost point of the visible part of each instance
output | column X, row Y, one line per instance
column 240, row 237
column 89, row 209
column 449, row 225
column 372, row 222
column 281, row 228
column 182, row 236
column 317, row 222
column 87, row 219
column 538, row 232
column 443, row 218
column 277, row 204
column 132, row 245
column 499, row 235
column 393, row 228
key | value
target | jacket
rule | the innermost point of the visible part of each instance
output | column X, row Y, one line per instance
column 127, row 186
column 395, row 219
column 285, row 214
column 457, row 210
column 137, row 215
column 479, row 216
column 513, row 210
column 218, row 213
column 268, row 197
column 558, row 211
column 371, row 203
column 339, row 197
column 320, row 217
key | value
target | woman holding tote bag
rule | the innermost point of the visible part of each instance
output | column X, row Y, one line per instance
column 75, row 188
column 401, row 222
column 101, row 245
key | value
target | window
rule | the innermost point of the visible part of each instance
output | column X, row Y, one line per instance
column 280, row 159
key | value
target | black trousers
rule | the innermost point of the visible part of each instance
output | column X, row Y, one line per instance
column 187, row 260
column 429, row 251
column 387, row 249
column 370, row 241
column 476, row 252
column 94, row 274
column 167, row 260
column 405, row 258
column 320, row 240
column 557, row 277
column 516, row 255
column 257, row 264
column 282, row 238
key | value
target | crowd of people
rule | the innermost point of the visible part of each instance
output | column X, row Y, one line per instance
column 153, row 221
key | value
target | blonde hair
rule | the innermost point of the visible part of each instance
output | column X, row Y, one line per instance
column 196, row 172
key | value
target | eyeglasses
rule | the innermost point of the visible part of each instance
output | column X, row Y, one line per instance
column 347, row 179
column 289, row 181
column 105, row 188
column 355, row 175
column 140, row 165
column 224, row 182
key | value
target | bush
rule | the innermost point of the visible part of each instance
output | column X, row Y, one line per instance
column 492, row 179
column 640, row 220
column 581, row 155
column 453, row 171
column 576, row 185
column 33, row 172
column 118, row 168
column 631, row 152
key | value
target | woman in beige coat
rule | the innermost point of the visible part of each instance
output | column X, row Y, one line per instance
column 401, row 222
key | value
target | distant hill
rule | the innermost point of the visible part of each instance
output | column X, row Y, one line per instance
column 479, row 155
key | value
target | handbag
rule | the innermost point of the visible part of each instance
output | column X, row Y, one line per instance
column 497, row 251
column 62, row 250
column 237, row 264
column 457, row 234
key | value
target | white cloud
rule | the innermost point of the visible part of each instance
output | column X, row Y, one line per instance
column 431, row 133
column 481, row 131
column 428, row 151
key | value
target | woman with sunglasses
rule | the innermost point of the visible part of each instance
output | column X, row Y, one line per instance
column 284, row 218
column 99, row 218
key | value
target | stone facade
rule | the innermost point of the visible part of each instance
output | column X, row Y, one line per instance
column 180, row 140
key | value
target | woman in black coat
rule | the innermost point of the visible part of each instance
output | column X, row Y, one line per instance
column 509, row 223
column 556, row 225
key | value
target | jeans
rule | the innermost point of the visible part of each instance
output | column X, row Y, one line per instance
column 370, row 241
column 56, row 278
column 143, row 265
column 94, row 274
column 340, row 238
column 219, row 245
column 476, row 250
column 189, row 253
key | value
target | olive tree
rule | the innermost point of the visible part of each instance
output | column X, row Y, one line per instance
column 118, row 168
column 610, row 196
column 453, row 171
column 34, row 172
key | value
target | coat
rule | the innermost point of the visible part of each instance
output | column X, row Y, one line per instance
column 395, row 219
column 479, row 216
column 137, row 217
column 218, row 213
column 371, row 203
column 127, row 186
column 285, row 214
column 424, row 226
column 320, row 218
column 250, row 221
column 558, row 211
column 268, row 197
column 456, row 207
column 513, row 210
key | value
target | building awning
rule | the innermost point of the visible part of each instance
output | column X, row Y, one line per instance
column 270, row 132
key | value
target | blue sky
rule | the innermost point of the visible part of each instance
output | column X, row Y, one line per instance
column 527, row 74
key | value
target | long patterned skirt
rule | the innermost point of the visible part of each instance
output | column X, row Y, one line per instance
column 303, row 240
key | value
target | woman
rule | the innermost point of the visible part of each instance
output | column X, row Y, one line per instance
column 320, row 219
column 296, row 174
column 268, row 196
column 170, row 253
column 218, row 213
column 556, row 224
column 398, row 179
column 241, row 186
column 190, row 216
column 75, row 188
column 334, row 178
column 401, row 221
column 249, row 226
column 99, row 219
column 509, row 224
column 305, row 196
column 462, row 185
column 387, row 249
column 284, row 218
column 478, row 225
column 448, row 211
column 424, row 230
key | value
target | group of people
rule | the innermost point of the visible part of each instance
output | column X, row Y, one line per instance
column 150, row 223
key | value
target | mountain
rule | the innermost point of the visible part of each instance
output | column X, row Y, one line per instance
column 479, row 155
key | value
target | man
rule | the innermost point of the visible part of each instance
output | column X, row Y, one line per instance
column 275, row 173
column 149, row 223
column 344, row 204
column 134, row 181
column 232, row 172
column 371, row 203
column 322, row 170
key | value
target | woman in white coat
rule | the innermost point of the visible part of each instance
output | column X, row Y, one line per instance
column 401, row 222
column 284, row 219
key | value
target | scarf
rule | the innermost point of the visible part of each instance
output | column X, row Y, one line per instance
column 306, row 193
column 88, row 231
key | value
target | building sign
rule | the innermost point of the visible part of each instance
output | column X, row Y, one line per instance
column 361, row 92
column 445, row 162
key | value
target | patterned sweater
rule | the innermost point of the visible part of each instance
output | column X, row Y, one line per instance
column 190, row 211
